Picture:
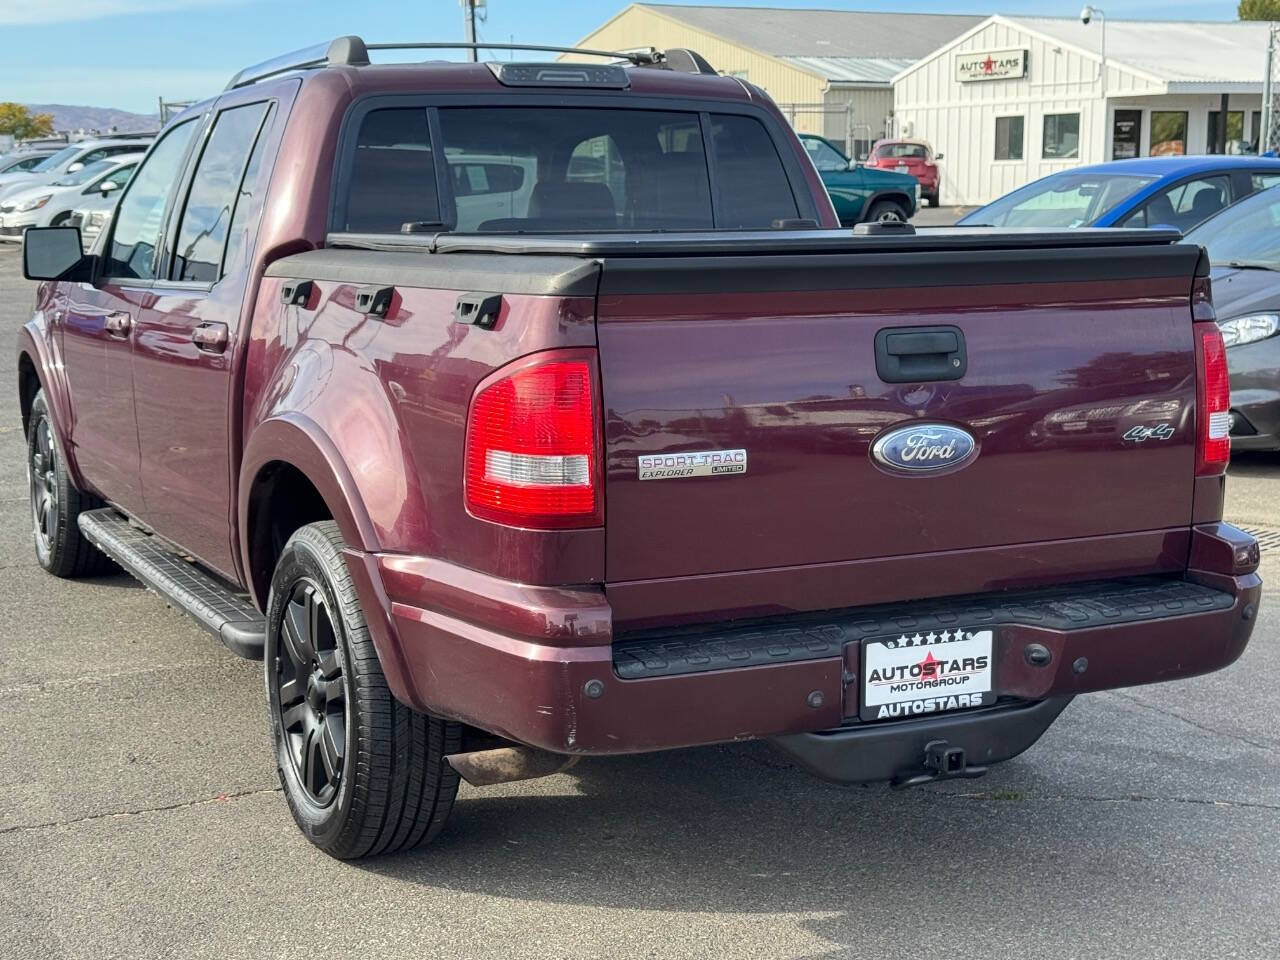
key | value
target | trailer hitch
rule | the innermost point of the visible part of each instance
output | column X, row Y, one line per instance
column 942, row 761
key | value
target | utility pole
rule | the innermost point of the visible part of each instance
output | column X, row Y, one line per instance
column 472, row 10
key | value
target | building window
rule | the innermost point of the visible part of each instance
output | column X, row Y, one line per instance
column 1061, row 136
column 1235, row 128
column 1009, row 138
column 1168, row 133
column 1126, row 134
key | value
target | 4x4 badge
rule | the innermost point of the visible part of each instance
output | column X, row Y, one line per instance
column 1161, row 431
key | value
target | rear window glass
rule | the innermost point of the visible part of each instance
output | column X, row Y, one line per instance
column 902, row 151
column 548, row 169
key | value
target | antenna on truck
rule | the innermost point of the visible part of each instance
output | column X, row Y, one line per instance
column 354, row 52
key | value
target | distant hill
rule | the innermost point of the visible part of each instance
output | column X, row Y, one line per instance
column 96, row 118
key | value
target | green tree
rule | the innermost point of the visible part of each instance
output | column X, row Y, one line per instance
column 17, row 120
column 1258, row 10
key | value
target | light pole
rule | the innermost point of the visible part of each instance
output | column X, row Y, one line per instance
column 1086, row 15
column 1268, row 92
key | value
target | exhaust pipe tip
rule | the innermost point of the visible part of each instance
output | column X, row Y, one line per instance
column 485, row 768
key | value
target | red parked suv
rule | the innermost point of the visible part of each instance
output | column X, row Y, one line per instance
column 909, row 156
column 520, row 412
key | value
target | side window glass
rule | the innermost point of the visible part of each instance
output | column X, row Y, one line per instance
column 206, row 218
column 131, row 253
column 392, row 174
column 1261, row 181
column 751, row 182
column 93, row 156
column 242, row 216
column 1136, row 219
column 1190, row 202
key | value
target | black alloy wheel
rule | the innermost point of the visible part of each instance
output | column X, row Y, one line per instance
column 363, row 774
column 56, row 502
column 312, row 693
column 46, row 508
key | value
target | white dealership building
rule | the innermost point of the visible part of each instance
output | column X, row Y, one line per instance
column 1015, row 98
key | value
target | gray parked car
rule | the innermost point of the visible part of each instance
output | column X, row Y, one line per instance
column 1244, row 247
column 21, row 161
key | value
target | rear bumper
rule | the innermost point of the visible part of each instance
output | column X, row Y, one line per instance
column 541, row 666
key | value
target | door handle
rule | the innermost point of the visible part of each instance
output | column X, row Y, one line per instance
column 211, row 337
column 118, row 324
column 920, row 354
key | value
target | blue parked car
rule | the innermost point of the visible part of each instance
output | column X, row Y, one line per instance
column 1144, row 192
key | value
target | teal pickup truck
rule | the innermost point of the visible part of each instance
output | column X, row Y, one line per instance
column 860, row 193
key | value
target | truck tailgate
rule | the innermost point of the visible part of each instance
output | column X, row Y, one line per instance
column 1079, row 391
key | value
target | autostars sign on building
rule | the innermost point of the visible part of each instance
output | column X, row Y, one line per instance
column 991, row 65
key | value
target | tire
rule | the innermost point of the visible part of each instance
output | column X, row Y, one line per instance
column 890, row 210
column 362, row 773
column 931, row 199
column 56, row 503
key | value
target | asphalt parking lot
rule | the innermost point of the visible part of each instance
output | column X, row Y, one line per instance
column 140, row 815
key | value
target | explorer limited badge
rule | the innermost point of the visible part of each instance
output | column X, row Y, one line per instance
column 924, row 447
column 694, row 463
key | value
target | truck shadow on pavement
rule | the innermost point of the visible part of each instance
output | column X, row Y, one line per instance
column 739, row 829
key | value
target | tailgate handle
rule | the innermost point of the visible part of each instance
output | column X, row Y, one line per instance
column 920, row 354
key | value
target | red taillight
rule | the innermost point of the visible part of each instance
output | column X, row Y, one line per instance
column 533, row 445
column 1213, row 393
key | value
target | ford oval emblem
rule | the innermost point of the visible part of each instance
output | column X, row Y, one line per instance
column 924, row 448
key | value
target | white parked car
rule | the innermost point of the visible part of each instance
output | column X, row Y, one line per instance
column 91, row 216
column 71, row 159
column 50, row 204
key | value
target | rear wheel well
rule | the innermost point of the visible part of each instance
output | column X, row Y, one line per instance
column 281, row 500
column 28, row 387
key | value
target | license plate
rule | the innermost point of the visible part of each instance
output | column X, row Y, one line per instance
column 922, row 673
column 901, row 168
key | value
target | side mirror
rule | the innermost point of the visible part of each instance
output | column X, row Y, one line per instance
column 75, row 167
column 108, row 187
column 54, row 253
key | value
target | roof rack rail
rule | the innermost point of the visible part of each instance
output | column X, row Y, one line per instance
column 354, row 52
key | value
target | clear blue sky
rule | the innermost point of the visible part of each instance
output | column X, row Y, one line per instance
column 126, row 53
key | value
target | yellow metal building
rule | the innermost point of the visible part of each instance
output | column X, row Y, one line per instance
column 829, row 70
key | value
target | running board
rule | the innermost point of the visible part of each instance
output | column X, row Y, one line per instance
column 215, row 604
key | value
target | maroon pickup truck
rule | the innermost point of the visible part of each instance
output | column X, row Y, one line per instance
column 520, row 412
